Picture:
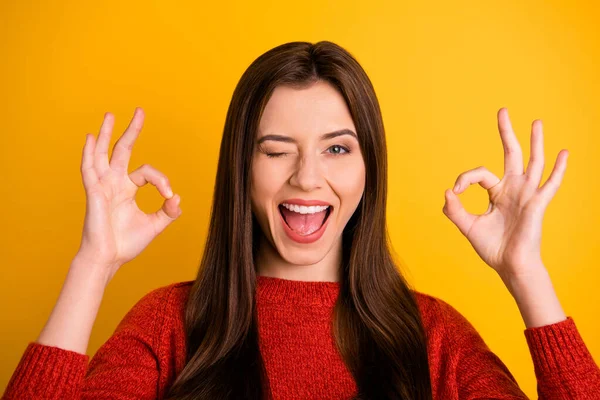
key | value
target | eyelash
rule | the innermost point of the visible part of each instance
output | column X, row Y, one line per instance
column 275, row 155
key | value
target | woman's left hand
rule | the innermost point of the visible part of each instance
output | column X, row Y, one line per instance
column 508, row 235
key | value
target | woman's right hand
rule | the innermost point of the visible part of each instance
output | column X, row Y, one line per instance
column 115, row 230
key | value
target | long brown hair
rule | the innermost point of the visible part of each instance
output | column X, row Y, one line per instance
column 376, row 321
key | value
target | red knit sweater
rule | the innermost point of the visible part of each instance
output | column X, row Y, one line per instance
column 147, row 350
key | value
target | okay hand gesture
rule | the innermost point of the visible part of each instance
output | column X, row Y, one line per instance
column 508, row 235
column 115, row 229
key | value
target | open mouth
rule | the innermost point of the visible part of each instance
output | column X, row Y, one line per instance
column 283, row 211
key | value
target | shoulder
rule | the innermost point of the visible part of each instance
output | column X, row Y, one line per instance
column 152, row 310
column 163, row 298
column 148, row 341
column 440, row 316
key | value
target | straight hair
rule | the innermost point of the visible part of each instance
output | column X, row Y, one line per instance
column 376, row 325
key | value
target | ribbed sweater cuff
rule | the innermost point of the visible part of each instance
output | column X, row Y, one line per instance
column 558, row 348
column 48, row 372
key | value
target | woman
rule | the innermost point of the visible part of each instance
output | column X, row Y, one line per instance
column 297, row 296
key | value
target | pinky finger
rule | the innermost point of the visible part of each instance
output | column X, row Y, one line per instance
column 88, row 172
column 550, row 187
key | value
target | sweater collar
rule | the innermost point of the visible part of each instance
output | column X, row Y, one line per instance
column 290, row 292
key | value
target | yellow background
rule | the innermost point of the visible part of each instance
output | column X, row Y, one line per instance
column 441, row 71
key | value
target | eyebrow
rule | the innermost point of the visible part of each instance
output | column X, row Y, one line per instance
column 325, row 136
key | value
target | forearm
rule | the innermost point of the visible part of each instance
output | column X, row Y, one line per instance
column 536, row 298
column 70, row 324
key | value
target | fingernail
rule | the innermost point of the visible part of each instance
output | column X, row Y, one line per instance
column 456, row 188
column 169, row 192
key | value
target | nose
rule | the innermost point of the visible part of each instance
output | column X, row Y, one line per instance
column 308, row 174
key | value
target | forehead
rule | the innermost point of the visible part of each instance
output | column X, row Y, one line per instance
column 312, row 110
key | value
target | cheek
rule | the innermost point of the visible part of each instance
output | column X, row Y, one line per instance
column 258, row 197
column 266, row 181
column 349, row 175
column 348, row 181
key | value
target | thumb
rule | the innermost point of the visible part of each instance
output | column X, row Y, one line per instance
column 168, row 213
column 455, row 211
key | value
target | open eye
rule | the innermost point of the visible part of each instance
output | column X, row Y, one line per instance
column 339, row 147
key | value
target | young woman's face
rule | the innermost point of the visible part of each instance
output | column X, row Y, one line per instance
column 329, row 170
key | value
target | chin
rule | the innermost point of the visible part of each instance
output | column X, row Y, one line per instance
column 303, row 257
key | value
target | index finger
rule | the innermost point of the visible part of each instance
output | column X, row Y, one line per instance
column 121, row 154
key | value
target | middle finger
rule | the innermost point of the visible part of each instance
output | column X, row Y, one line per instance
column 535, row 168
column 513, row 157
column 101, row 149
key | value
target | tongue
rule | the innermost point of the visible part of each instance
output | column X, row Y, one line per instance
column 304, row 224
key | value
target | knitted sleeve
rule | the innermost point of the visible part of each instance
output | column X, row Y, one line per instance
column 564, row 367
column 124, row 367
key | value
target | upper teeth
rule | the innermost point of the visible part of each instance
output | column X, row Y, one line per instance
column 304, row 209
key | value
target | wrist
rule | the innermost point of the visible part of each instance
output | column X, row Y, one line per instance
column 82, row 266
column 535, row 297
column 518, row 279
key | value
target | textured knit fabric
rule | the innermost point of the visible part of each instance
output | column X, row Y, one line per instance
column 147, row 350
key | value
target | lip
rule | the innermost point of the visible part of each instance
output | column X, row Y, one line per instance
column 302, row 202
